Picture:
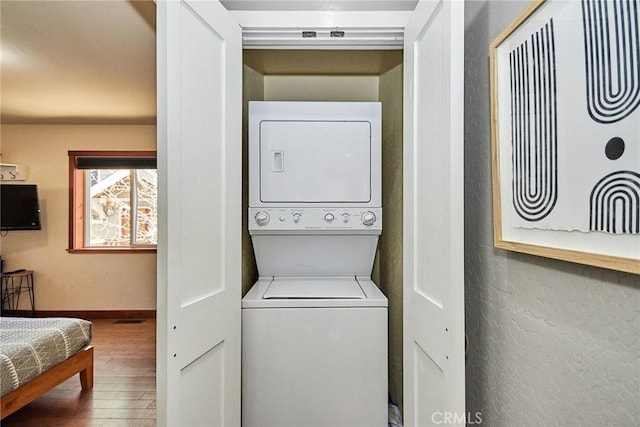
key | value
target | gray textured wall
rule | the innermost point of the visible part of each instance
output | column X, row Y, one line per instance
column 551, row 343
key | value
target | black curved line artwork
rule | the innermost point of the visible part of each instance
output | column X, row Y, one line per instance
column 534, row 125
column 615, row 204
column 612, row 58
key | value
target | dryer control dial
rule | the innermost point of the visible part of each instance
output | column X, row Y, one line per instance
column 297, row 217
column 345, row 217
column 329, row 218
column 262, row 218
column 368, row 218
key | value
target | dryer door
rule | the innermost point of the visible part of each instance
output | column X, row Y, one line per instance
column 315, row 161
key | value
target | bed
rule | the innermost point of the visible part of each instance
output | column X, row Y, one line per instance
column 38, row 354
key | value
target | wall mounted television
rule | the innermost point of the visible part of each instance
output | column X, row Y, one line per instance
column 19, row 207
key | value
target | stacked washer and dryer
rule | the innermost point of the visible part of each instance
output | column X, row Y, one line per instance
column 314, row 326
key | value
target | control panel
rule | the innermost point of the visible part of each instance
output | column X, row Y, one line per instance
column 315, row 219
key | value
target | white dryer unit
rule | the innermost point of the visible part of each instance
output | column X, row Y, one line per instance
column 312, row 154
column 314, row 325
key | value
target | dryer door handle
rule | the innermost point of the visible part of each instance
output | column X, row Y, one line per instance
column 277, row 161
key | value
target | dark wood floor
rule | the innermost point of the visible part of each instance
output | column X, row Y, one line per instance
column 124, row 391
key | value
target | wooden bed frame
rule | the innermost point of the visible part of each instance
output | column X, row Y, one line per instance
column 81, row 363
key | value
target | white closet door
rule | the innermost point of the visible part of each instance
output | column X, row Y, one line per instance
column 433, row 342
column 199, row 51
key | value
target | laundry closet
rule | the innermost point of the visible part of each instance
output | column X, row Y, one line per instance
column 208, row 72
column 342, row 76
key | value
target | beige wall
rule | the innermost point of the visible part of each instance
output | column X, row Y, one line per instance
column 390, row 246
column 253, row 90
column 321, row 88
column 73, row 281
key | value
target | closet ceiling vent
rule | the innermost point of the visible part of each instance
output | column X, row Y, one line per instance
column 323, row 38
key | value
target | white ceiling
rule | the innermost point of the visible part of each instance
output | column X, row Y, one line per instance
column 94, row 61
column 78, row 61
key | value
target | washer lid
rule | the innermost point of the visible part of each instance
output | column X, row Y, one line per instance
column 373, row 297
column 314, row 288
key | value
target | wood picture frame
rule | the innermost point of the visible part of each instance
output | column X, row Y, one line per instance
column 565, row 133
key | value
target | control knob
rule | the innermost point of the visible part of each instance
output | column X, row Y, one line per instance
column 345, row 217
column 297, row 217
column 329, row 218
column 368, row 218
column 262, row 218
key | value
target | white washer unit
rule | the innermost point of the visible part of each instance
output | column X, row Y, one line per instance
column 314, row 325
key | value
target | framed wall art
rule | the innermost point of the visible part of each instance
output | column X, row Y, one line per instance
column 565, row 104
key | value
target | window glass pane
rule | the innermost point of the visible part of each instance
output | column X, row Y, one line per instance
column 146, row 207
column 113, row 201
column 109, row 210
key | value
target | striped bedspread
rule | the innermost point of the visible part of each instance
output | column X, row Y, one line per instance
column 29, row 347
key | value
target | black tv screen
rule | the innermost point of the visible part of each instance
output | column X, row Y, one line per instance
column 19, row 208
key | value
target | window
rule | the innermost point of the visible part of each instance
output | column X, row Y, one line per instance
column 113, row 201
